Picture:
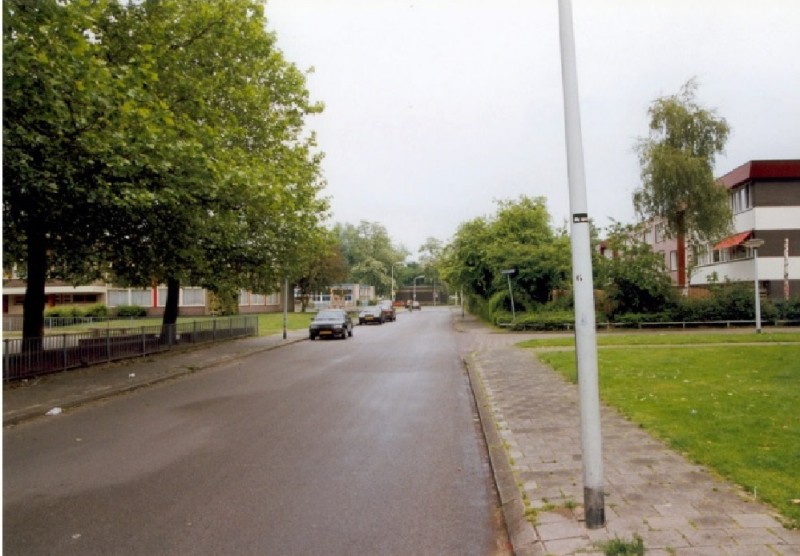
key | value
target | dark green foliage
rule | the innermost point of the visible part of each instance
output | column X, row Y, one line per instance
column 635, row 280
column 131, row 311
column 154, row 141
column 734, row 301
column 545, row 320
column 638, row 318
column 73, row 311
column 789, row 310
column 519, row 237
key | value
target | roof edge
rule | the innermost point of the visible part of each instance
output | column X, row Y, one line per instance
column 762, row 169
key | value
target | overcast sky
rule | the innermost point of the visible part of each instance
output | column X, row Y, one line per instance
column 435, row 108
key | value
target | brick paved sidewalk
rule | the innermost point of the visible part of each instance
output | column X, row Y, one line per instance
column 677, row 507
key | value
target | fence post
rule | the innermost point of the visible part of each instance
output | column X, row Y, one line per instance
column 144, row 342
column 108, row 344
column 64, row 346
column 214, row 330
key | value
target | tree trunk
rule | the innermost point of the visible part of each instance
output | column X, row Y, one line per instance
column 681, row 250
column 170, row 311
column 33, row 307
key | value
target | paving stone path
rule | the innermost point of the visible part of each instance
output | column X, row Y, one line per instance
column 677, row 507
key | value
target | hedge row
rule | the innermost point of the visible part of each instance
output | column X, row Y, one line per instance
column 95, row 311
column 731, row 306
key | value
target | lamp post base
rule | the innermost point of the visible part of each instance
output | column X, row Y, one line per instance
column 594, row 508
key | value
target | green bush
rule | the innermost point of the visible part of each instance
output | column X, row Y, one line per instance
column 788, row 310
column 502, row 317
column 545, row 320
column 638, row 318
column 97, row 310
column 733, row 301
column 63, row 311
column 131, row 311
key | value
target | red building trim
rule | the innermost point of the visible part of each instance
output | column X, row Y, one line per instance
column 761, row 170
column 736, row 239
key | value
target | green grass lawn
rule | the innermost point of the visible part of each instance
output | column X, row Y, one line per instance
column 268, row 323
column 669, row 338
column 272, row 323
column 733, row 408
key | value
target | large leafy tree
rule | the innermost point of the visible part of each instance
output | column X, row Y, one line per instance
column 161, row 140
column 369, row 253
column 677, row 170
column 519, row 236
column 72, row 125
column 242, row 209
column 324, row 266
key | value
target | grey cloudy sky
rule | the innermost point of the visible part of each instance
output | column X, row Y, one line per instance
column 434, row 108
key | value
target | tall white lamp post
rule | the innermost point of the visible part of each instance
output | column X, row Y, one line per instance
column 582, row 285
column 415, row 289
column 392, row 288
column 754, row 244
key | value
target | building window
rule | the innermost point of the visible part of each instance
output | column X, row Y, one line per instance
column 703, row 254
column 162, row 297
column 117, row 298
column 194, row 297
column 273, row 299
column 673, row 260
column 142, row 298
column 741, row 198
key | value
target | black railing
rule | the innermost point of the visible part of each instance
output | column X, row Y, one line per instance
column 55, row 353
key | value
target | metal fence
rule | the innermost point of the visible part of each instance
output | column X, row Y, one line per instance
column 13, row 323
column 55, row 353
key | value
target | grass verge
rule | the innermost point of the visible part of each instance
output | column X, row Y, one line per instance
column 670, row 338
column 731, row 407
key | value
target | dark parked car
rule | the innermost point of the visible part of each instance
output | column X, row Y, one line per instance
column 371, row 315
column 331, row 323
column 387, row 308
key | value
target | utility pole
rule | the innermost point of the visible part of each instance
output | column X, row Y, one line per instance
column 582, row 283
column 285, row 305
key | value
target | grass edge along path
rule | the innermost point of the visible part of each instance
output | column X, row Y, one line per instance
column 732, row 408
column 676, row 338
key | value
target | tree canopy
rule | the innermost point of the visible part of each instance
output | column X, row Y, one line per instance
column 677, row 167
column 369, row 254
column 154, row 141
column 519, row 237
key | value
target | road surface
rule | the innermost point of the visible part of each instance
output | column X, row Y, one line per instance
column 369, row 445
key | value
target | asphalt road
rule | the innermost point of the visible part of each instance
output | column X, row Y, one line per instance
column 369, row 445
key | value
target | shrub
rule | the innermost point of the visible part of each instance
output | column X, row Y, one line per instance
column 131, row 311
column 63, row 311
column 551, row 320
column 98, row 310
column 732, row 301
column 789, row 310
column 638, row 318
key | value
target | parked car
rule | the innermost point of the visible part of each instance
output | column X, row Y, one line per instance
column 388, row 310
column 371, row 315
column 416, row 306
column 331, row 323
